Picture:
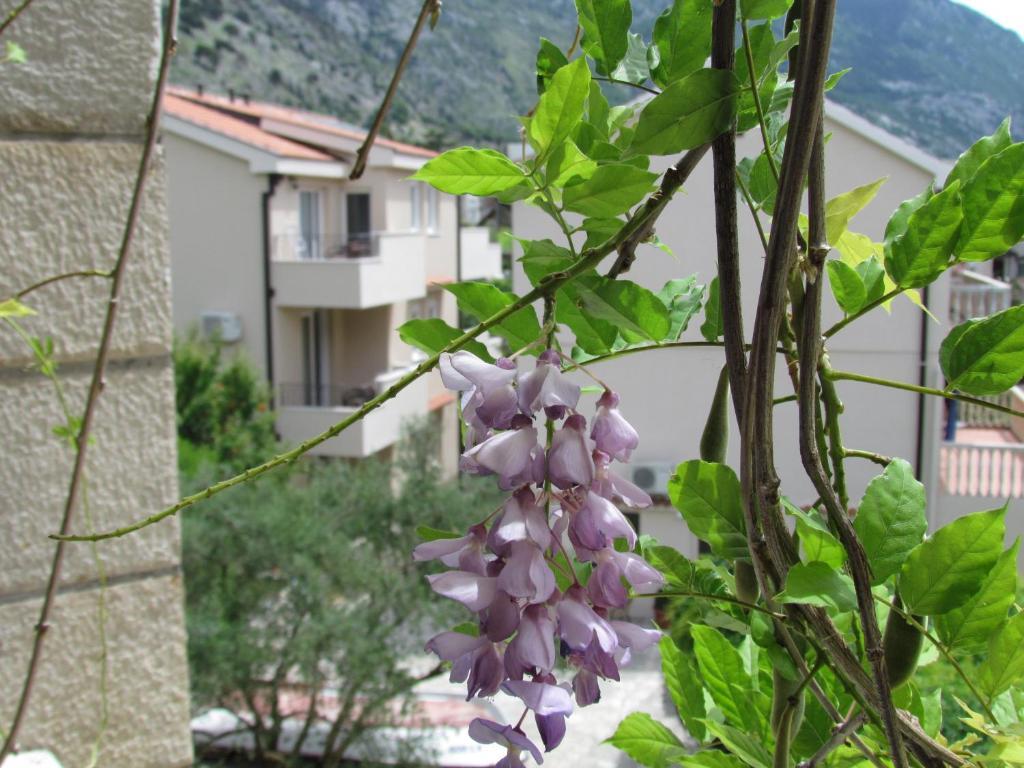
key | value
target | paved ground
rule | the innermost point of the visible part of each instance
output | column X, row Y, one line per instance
column 640, row 689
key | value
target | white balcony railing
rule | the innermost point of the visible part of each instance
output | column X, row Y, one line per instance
column 976, row 295
column 995, row 470
column 304, row 411
column 355, row 273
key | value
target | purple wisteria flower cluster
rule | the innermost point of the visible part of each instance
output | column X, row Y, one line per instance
column 561, row 511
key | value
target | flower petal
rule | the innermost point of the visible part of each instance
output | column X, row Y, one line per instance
column 542, row 698
column 634, row 637
column 472, row 590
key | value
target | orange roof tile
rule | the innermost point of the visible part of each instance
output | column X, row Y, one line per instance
column 300, row 117
column 238, row 129
column 440, row 401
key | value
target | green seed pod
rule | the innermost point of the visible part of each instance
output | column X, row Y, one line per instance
column 902, row 642
column 747, row 588
column 714, row 441
column 786, row 718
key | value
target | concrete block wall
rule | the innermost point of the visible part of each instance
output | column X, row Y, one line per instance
column 72, row 125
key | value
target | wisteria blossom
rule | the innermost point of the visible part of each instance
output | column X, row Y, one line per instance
column 543, row 575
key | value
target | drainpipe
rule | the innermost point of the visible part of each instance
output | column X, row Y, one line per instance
column 268, row 291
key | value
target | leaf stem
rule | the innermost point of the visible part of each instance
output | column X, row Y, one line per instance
column 749, row 52
column 616, row 81
column 14, row 14
column 840, row 733
column 889, row 296
column 849, row 376
column 877, row 458
column 67, row 275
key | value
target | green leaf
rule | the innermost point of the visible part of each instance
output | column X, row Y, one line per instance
column 984, row 148
column 840, row 210
column 599, row 113
column 568, row 165
column 897, row 223
column 847, row 286
column 891, row 520
column 762, row 186
column 873, row 276
column 560, row 108
column 605, row 25
column 647, row 741
column 613, row 189
column 483, row 300
column 818, row 583
column 427, row 533
column 542, row 257
column 468, row 171
column 1004, row 662
column 599, row 230
column 634, row 310
column 721, row 669
column 14, row 308
column 15, row 53
column 711, row 758
column 633, row 67
column 993, row 205
column 713, row 325
column 688, row 113
column 683, row 686
column 549, row 60
column 922, row 252
column 945, row 571
column 433, row 334
column 764, row 9
column 987, row 357
column 682, row 297
column 748, row 748
column 816, row 541
column 708, row 497
column 969, row 627
column 951, row 340
column 682, row 35
column 593, row 335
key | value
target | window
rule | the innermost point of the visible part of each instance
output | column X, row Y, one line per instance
column 416, row 203
column 357, row 224
column 433, row 210
column 308, row 246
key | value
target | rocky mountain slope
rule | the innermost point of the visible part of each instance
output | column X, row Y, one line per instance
column 930, row 70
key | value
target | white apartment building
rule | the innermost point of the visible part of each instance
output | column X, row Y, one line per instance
column 665, row 394
column 309, row 273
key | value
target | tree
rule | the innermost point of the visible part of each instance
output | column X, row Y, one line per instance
column 303, row 582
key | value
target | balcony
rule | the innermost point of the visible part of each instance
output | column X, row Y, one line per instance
column 304, row 411
column 348, row 273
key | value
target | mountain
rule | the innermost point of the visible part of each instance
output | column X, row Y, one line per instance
column 932, row 71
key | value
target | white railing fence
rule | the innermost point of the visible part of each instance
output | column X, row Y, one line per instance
column 972, row 415
column 976, row 295
column 995, row 470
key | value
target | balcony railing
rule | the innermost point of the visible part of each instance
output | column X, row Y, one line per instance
column 976, row 295
column 995, row 470
column 304, row 410
column 296, row 247
column 348, row 273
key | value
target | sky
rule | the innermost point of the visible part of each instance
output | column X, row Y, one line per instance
column 1005, row 13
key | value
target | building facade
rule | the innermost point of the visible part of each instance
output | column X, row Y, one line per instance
column 309, row 273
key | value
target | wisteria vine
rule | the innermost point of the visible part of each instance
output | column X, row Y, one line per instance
column 561, row 517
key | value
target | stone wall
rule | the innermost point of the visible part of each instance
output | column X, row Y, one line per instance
column 72, row 125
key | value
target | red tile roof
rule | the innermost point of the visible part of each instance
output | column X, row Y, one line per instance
column 238, row 129
column 298, row 117
column 440, row 401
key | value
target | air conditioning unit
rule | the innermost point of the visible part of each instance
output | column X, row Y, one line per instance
column 225, row 326
column 653, row 476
